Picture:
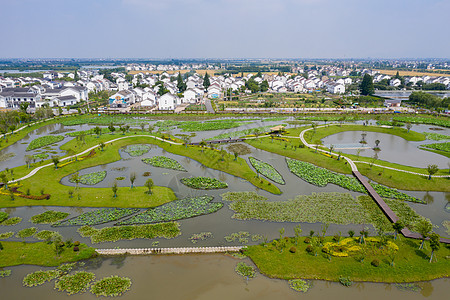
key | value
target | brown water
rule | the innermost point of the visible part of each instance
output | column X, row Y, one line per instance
column 208, row 277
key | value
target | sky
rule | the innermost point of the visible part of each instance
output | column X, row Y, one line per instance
column 225, row 29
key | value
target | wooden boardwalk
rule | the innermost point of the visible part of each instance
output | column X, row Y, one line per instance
column 180, row 250
column 387, row 210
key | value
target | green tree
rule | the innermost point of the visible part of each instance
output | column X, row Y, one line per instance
column 28, row 159
column 206, row 82
column 132, row 178
column 24, row 106
column 434, row 244
column 366, row 86
column 432, row 169
column 264, row 86
column 408, row 126
column 4, row 180
column 102, row 145
column 76, row 179
column 424, row 228
column 55, row 161
column 149, row 185
column 180, row 83
column 398, row 227
column 97, row 131
column 114, row 188
column 111, row 128
column 298, row 233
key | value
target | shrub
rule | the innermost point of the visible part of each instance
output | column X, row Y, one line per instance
column 309, row 249
column 307, row 240
column 293, row 249
column 76, row 243
column 375, row 262
column 336, row 238
column 76, row 249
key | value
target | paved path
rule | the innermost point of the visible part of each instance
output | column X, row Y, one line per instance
column 209, row 107
column 377, row 198
column 180, row 250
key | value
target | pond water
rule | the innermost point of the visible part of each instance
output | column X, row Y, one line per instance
column 207, row 277
column 393, row 148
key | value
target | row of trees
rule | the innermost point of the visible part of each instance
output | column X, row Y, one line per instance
column 428, row 100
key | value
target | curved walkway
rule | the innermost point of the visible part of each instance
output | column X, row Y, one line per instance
column 34, row 171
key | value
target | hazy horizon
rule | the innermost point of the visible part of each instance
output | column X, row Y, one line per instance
column 225, row 29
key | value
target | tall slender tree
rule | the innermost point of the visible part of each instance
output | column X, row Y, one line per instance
column 366, row 86
column 206, row 82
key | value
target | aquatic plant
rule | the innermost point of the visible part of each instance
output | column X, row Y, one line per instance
column 98, row 216
column 114, row 234
column 245, row 270
column 136, row 150
column 44, row 141
column 203, row 183
column 40, row 277
column 266, row 170
column 44, row 235
column 5, row 273
column 111, row 286
column 338, row 208
column 321, row 177
column 6, row 235
column 200, row 236
column 11, row 221
column 74, row 283
column 91, row 178
column 439, row 146
column 242, row 196
column 26, row 232
column 164, row 162
column 175, row 210
column 345, row 281
column 48, row 217
column 300, row 285
column 436, row 136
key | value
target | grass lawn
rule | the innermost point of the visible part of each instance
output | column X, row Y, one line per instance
column 410, row 264
column 40, row 253
column 209, row 158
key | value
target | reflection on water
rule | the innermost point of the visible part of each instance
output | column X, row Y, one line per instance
column 207, row 277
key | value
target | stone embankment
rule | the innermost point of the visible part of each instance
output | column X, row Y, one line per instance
column 181, row 250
